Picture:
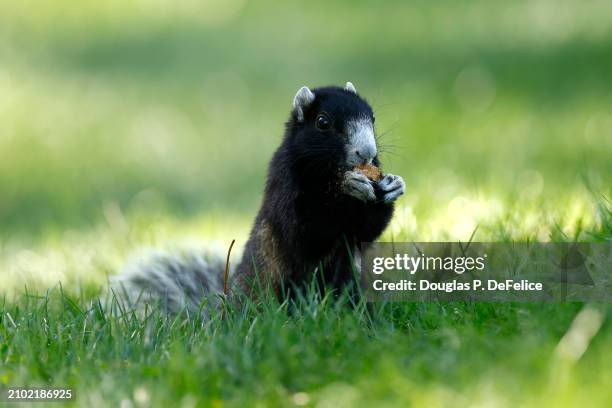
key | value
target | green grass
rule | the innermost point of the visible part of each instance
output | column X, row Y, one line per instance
column 318, row 351
column 150, row 124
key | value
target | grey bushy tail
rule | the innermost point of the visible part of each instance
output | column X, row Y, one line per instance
column 191, row 280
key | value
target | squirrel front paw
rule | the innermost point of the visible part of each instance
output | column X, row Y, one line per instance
column 359, row 186
column 391, row 187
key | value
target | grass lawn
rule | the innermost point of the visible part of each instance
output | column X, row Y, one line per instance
column 316, row 352
column 127, row 125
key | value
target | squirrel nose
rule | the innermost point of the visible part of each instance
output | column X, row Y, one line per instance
column 365, row 155
column 362, row 143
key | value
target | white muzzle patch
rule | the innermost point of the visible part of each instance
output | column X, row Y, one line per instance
column 361, row 147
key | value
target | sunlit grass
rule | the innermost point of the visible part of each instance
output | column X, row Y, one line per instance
column 86, row 258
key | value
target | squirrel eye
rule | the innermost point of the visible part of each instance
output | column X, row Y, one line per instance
column 322, row 122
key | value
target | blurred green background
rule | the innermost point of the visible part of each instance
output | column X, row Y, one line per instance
column 120, row 114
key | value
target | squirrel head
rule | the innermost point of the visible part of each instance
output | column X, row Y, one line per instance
column 332, row 126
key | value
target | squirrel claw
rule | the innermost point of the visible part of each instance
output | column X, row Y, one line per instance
column 359, row 186
column 391, row 187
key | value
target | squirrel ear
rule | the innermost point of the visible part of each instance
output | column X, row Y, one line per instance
column 350, row 87
column 302, row 99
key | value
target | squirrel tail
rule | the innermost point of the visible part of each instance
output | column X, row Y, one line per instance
column 190, row 280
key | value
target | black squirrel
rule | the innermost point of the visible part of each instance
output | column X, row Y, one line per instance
column 316, row 211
